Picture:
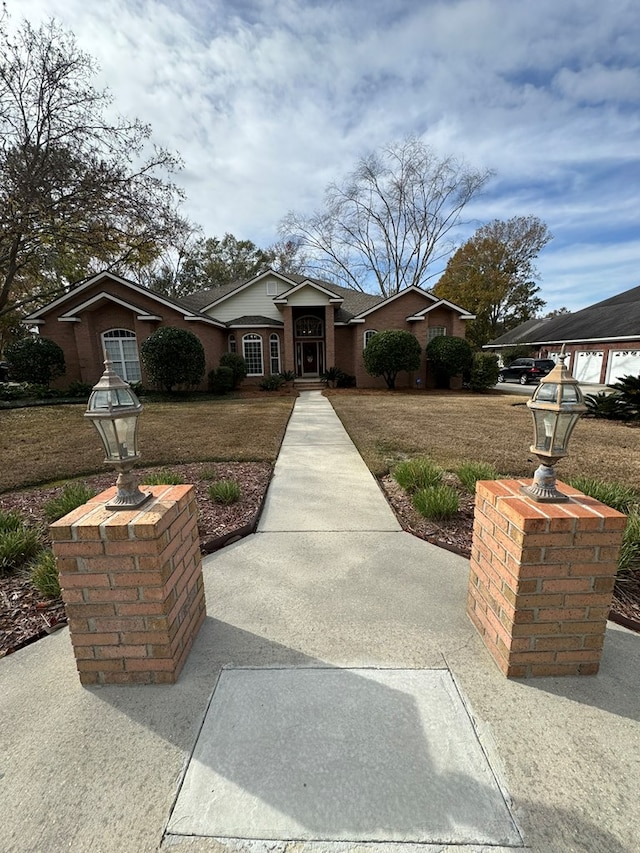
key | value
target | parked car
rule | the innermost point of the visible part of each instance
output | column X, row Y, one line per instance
column 525, row 370
column 4, row 371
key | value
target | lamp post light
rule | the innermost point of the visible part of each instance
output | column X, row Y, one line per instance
column 113, row 409
column 556, row 405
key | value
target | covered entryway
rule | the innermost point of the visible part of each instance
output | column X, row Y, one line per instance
column 587, row 365
column 309, row 342
column 622, row 363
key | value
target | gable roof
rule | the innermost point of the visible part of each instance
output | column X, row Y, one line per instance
column 614, row 319
column 160, row 299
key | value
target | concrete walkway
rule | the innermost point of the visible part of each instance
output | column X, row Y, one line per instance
column 336, row 694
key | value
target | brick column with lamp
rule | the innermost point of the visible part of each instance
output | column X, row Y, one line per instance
column 544, row 559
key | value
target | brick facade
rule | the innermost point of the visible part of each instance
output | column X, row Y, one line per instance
column 132, row 585
column 542, row 578
column 77, row 322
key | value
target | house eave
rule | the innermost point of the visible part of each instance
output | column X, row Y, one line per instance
column 564, row 341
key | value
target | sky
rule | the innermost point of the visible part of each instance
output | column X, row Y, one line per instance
column 267, row 101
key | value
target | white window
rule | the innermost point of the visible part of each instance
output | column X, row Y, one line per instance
column 233, row 347
column 274, row 352
column 368, row 335
column 437, row 332
column 122, row 348
column 272, row 288
column 252, row 352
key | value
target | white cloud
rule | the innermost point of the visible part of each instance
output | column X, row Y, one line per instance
column 268, row 100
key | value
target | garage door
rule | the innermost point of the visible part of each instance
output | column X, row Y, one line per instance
column 587, row 365
column 623, row 363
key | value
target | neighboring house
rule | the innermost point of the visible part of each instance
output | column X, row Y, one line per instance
column 603, row 339
column 277, row 322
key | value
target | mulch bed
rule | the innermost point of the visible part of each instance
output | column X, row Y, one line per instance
column 25, row 616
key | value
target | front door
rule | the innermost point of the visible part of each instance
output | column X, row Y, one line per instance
column 309, row 358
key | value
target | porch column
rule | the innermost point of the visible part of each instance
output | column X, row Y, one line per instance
column 288, row 353
column 329, row 338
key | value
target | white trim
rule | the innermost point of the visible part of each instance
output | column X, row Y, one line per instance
column 397, row 295
column 256, row 326
column 284, row 297
column 143, row 291
column 564, row 341
column 464, row 314
column 63, row 320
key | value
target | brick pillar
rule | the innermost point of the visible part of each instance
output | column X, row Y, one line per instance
column 132, row 585
column 542, row 578
column 287, row 339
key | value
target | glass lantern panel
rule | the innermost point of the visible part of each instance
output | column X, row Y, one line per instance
column 570, row 394
column 544, row 425
column 112, row 398
column 547, row 392
column 564, row 427
column 119, row 436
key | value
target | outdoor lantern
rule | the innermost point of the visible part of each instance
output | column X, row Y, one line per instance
column 114, row 409
column 556, row 405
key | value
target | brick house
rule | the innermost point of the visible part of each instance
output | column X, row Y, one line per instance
column 277, row 322
column 603, row 340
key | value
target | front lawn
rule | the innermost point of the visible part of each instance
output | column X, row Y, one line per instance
column 40, row 445
column 451, row 428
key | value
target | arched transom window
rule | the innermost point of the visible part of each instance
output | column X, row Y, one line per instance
column 122, row 348
column 252, row 353
column 309, row 327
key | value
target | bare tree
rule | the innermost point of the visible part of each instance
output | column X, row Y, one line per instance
column 78, row 191
column 389, row 221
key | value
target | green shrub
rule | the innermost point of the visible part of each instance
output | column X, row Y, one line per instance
column 287, row 375
column 79, row 389
column 609, row 406
column 332, row 376
column 415, row 474
column 389, row 352
column 436, row 502
column 237, row 364
column 629, row 390
column 163, row 478
column 18, row 547
column 272, row 383
column 484, row 371
column 346, row 381
column 221, row 381
column 224, row 492
column 449, row 356
column 470, row 472
column 35, row 359
column 629, row 558
column 72, row 496
column 173, row 357
column 618, row 496
column 44, row 574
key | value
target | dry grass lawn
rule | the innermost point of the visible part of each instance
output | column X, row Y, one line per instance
column 457, row 427
column 49, row 443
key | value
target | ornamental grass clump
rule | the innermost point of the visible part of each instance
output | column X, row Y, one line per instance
column 163, row 478
column 629, row 557
column 44, row 574
column 436, row 502
column 415, row 474
column 19, row 543
column 618, row 496
column 72, row 496
column 224, row 492
column 470, row 472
